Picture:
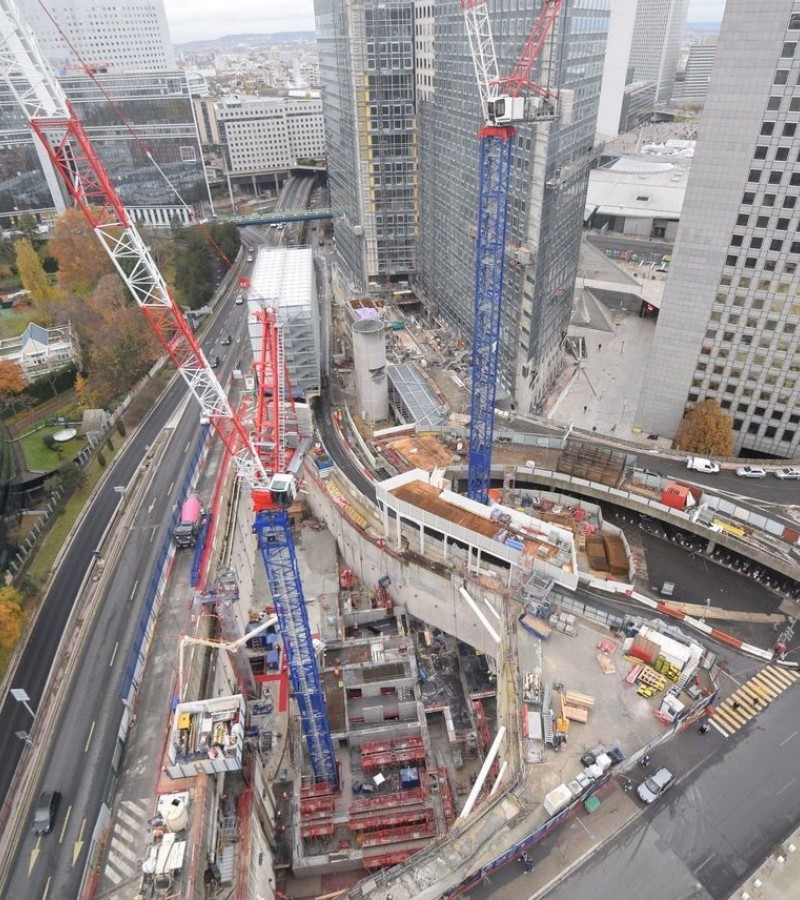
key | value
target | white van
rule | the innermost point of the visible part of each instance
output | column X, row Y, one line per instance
column 701, row 464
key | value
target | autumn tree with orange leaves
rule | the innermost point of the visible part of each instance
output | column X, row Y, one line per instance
column 81, row 261
column 12, row 617
column 11, row 381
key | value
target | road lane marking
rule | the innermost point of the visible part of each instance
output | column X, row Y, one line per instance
column 786, row 740
column 114, row 654
column 78, row 845
column 787, row 786
column 151, row 507
column 169, row 489
column 34, row 855
column 704, row 862
column 186, row 448
column 89, row 739
column 64, row 826
column 47, row 887
column 135, row 585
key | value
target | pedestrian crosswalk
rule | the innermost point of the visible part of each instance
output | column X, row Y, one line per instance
column 751, row 697
column 127, row 843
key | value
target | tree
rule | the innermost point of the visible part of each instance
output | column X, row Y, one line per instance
column 194, row 271
column 81, row 261
column 12, row 617
column 27, row 225
column 34, row 279
column 11, row 381
column 71, row 478
column 706, row 429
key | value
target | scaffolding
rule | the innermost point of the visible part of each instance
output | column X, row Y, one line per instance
column 376, row 754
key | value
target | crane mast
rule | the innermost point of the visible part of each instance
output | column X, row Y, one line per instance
column 502, row 104
column 63, row 137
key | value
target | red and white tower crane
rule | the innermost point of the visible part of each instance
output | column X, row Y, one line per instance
column 504, row 102
column 273, row 479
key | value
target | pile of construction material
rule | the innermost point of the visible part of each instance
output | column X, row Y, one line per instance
column 606, row 553
column 564, row 622
column 576, row 706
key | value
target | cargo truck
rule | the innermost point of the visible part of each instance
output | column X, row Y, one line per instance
column 186, row 531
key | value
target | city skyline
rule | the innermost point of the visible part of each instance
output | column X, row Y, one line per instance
column 193, row 20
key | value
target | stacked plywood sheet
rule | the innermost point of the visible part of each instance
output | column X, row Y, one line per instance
column 577, row 706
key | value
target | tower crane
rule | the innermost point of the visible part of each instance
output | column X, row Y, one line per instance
column 504, row 101
column 273, row 487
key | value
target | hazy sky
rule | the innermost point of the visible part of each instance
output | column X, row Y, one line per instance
column 194, row 19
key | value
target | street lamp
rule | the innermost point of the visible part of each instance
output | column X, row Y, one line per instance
column 21, row 697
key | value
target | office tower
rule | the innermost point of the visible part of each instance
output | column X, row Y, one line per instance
column 692, row 88
column 124, row 36
column 366, row 55
column 127, row 47
column 616, row 68
column 547, row 196
column 730, row 316
column 656, row 45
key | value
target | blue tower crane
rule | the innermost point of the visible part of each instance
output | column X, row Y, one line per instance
column 502, row 105
column 261, row 459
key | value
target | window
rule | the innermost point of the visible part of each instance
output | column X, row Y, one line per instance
column 781, row 154
column 788, row 49
column 767, row 128
column 789, row 129
column 769, row 200
column 761, row 153
column 775, row 177
column 755, row 243
column 762, row 221
column 789, row 202
column 750, row 262
column 754, row 175
column 794, row 104
column 781, row 224
column 776, row 244
column 770, row 431
column 748, row 197
column 781, row 76
column 731, row 259
column 736, row 240
column 743, row 219
column 774, row 103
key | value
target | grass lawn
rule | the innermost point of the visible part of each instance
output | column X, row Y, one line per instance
column 38, row 458
column 13, row 322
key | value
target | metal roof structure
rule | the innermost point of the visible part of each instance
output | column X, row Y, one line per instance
column 646, row 188
column 411, row 392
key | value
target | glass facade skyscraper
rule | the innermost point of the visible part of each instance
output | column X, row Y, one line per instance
column 366, row 52
column 134, row 102
column 549, row 180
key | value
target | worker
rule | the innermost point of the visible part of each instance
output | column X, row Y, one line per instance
column 703, row 728
column 645, row 760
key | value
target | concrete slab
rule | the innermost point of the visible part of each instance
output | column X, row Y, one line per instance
column 620, row 717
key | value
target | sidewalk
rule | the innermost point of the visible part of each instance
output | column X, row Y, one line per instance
column 778, row 878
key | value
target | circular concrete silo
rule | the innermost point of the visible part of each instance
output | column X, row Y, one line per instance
column 369, row 356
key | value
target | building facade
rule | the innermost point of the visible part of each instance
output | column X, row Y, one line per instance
column 692, row 84
column 547, row 193
column 264, row 133
column 656, row 45
column 123, row 36
column 366, row 58
column 135, row 102
column 730, row 322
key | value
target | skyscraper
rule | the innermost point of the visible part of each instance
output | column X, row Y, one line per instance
column 366, row 52
column 127, row 47
column 548, row 190
column 730, row 318
column 656, row 45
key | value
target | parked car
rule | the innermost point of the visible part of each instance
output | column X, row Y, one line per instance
column 751, row 472
column 788, row 474
column 45, row 814
column 701, row 464
column 653, row 787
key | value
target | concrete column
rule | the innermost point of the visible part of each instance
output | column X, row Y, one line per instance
column 421, row 539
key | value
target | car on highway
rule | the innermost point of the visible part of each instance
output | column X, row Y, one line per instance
column 240, row 300
column 653, row 787
column 701, row 464
column 751, row 472
column 45, row 814
column 787, row 474
column 250, row 258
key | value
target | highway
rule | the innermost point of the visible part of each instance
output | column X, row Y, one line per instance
column 84, row 741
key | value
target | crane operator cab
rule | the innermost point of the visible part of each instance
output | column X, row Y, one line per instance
column 283, row 490
column 504, row 110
